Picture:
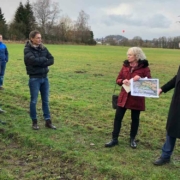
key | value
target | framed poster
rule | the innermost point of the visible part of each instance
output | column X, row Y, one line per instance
column 145, row 87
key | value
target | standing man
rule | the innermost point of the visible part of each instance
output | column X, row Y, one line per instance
column 37, row 58
column 173, row 120
column 3, row 60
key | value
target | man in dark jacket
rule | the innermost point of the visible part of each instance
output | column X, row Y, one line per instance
column 3, row 61
column 173, row 121
column 37, row 58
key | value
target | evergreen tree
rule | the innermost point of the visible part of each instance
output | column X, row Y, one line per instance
column 3, row 25
column 91, row 40
column 20, row 14
column 23, row 23
column 18, row 27
column 29, row 19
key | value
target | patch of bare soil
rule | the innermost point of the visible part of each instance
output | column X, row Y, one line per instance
column 42, row 163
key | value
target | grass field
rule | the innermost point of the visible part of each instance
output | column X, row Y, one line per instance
column 82, row 81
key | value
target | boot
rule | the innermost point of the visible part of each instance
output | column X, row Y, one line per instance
column 48, row 124
column 112, row 143
column 34, row 124
column 161, row 161
column 133, row 142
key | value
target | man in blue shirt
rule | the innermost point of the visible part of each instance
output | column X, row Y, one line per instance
column 3, row 61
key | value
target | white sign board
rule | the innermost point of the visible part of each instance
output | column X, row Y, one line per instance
column 145, row 87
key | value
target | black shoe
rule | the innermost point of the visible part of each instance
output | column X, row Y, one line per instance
column 2, row 122
column 133, row 143
column 161, row 161
column 48, row 124
column 34, row 125
column 2, row 111
column 112, row 143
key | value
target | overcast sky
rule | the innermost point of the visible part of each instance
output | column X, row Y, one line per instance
column 145, row 18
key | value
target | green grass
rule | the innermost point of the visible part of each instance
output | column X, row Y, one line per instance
column 81, row 85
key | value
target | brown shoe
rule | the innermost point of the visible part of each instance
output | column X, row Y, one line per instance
column 34, row 125
column 48, row 124
column 1, row 88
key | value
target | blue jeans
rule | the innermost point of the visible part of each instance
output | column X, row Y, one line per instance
column 2, row 71
column 42, row 85
column 168, row 147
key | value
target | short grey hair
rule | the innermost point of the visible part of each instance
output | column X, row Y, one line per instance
column 32, row 34
column 138, row 52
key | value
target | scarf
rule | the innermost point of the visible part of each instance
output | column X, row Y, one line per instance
column 133, row 66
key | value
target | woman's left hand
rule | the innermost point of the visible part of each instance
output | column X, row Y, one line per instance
column 136, row 78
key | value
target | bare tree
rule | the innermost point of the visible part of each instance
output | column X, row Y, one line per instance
column 66, row 26
column 46, row 12
column 82, row 21
column 81, row 27
column 137, row 41
column 155, row 43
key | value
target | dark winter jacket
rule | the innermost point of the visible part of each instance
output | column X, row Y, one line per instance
column 37, row 60
column 3, row 52
column 173, row 121
column 125, row 99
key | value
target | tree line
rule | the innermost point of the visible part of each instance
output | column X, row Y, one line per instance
column 161, row 42
column 44, row 15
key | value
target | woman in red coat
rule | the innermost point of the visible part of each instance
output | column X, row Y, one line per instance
column 135, row 67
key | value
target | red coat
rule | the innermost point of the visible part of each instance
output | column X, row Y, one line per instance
column 125, row 99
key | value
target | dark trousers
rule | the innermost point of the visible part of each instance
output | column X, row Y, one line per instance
column 120, row 111
column 168, row 147
column 2, row 71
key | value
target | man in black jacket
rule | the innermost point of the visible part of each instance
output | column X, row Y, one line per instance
column 37, row 58
column 173, row 120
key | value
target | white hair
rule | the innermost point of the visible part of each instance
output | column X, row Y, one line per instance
column 138, row 52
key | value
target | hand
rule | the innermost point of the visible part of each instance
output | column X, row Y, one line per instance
column 136, row 78
column 126, row 82
column 119, row 81
column 159, row 91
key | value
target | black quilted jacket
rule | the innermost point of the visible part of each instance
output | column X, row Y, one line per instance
column 37, row 60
